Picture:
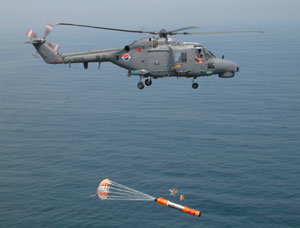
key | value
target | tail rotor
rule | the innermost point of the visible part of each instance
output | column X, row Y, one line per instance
column 56, row 47
column 34, row 38
column 31, row 35
column 48, row 30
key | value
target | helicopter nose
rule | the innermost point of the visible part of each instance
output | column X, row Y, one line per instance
column 235, row 67
column 225, row 68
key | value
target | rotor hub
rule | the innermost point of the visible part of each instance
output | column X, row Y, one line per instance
column 163, row 33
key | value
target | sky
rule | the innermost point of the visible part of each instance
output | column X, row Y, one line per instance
column 133, row 14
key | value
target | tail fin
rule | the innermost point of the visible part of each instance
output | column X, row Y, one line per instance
column 48, row 51
column 48, row 54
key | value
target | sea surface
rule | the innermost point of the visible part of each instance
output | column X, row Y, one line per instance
column 232, row 146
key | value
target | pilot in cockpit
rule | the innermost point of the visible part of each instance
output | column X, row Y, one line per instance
column 199, row 56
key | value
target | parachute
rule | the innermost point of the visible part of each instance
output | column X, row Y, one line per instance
column 103, row 189
column 110, row 190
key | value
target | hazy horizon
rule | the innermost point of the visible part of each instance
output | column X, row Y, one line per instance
column 149, row 14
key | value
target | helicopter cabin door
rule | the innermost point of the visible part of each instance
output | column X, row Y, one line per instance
column 158, row 61
column 180, row 63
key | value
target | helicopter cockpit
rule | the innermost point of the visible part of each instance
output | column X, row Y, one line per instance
column 204, row 53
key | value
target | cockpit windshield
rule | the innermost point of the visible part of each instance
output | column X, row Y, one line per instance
column 208, row 54
column 212, row 54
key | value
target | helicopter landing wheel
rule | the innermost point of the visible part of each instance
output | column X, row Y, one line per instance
column 195, row 85
column 148, row 82
column 140, row 85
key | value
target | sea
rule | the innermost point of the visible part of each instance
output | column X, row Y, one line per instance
column 232, row 146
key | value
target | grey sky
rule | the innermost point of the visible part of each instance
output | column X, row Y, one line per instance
column 156, row 13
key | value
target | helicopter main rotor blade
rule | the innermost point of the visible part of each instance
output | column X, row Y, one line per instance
column 105, row 28
column 180, row 29
column 208, row 33
column 162, row 32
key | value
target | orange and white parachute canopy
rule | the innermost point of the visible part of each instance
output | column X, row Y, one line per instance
column 103, row 188
column 110, row 190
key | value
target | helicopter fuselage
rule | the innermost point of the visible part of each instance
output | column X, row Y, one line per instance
column 161, row 57
column 150, row 58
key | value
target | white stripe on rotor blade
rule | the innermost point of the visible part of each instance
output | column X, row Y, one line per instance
column 29, row 33
column 49, row 27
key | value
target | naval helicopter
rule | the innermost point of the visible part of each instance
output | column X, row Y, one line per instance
column 149, row 58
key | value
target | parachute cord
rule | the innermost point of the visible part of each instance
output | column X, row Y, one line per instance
column 131, row 191
column 127, row 188
column 130, row 199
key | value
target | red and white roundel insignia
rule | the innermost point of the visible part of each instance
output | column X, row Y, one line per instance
column 126, row 57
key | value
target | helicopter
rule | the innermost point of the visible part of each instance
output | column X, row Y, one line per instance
column 149, row 58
